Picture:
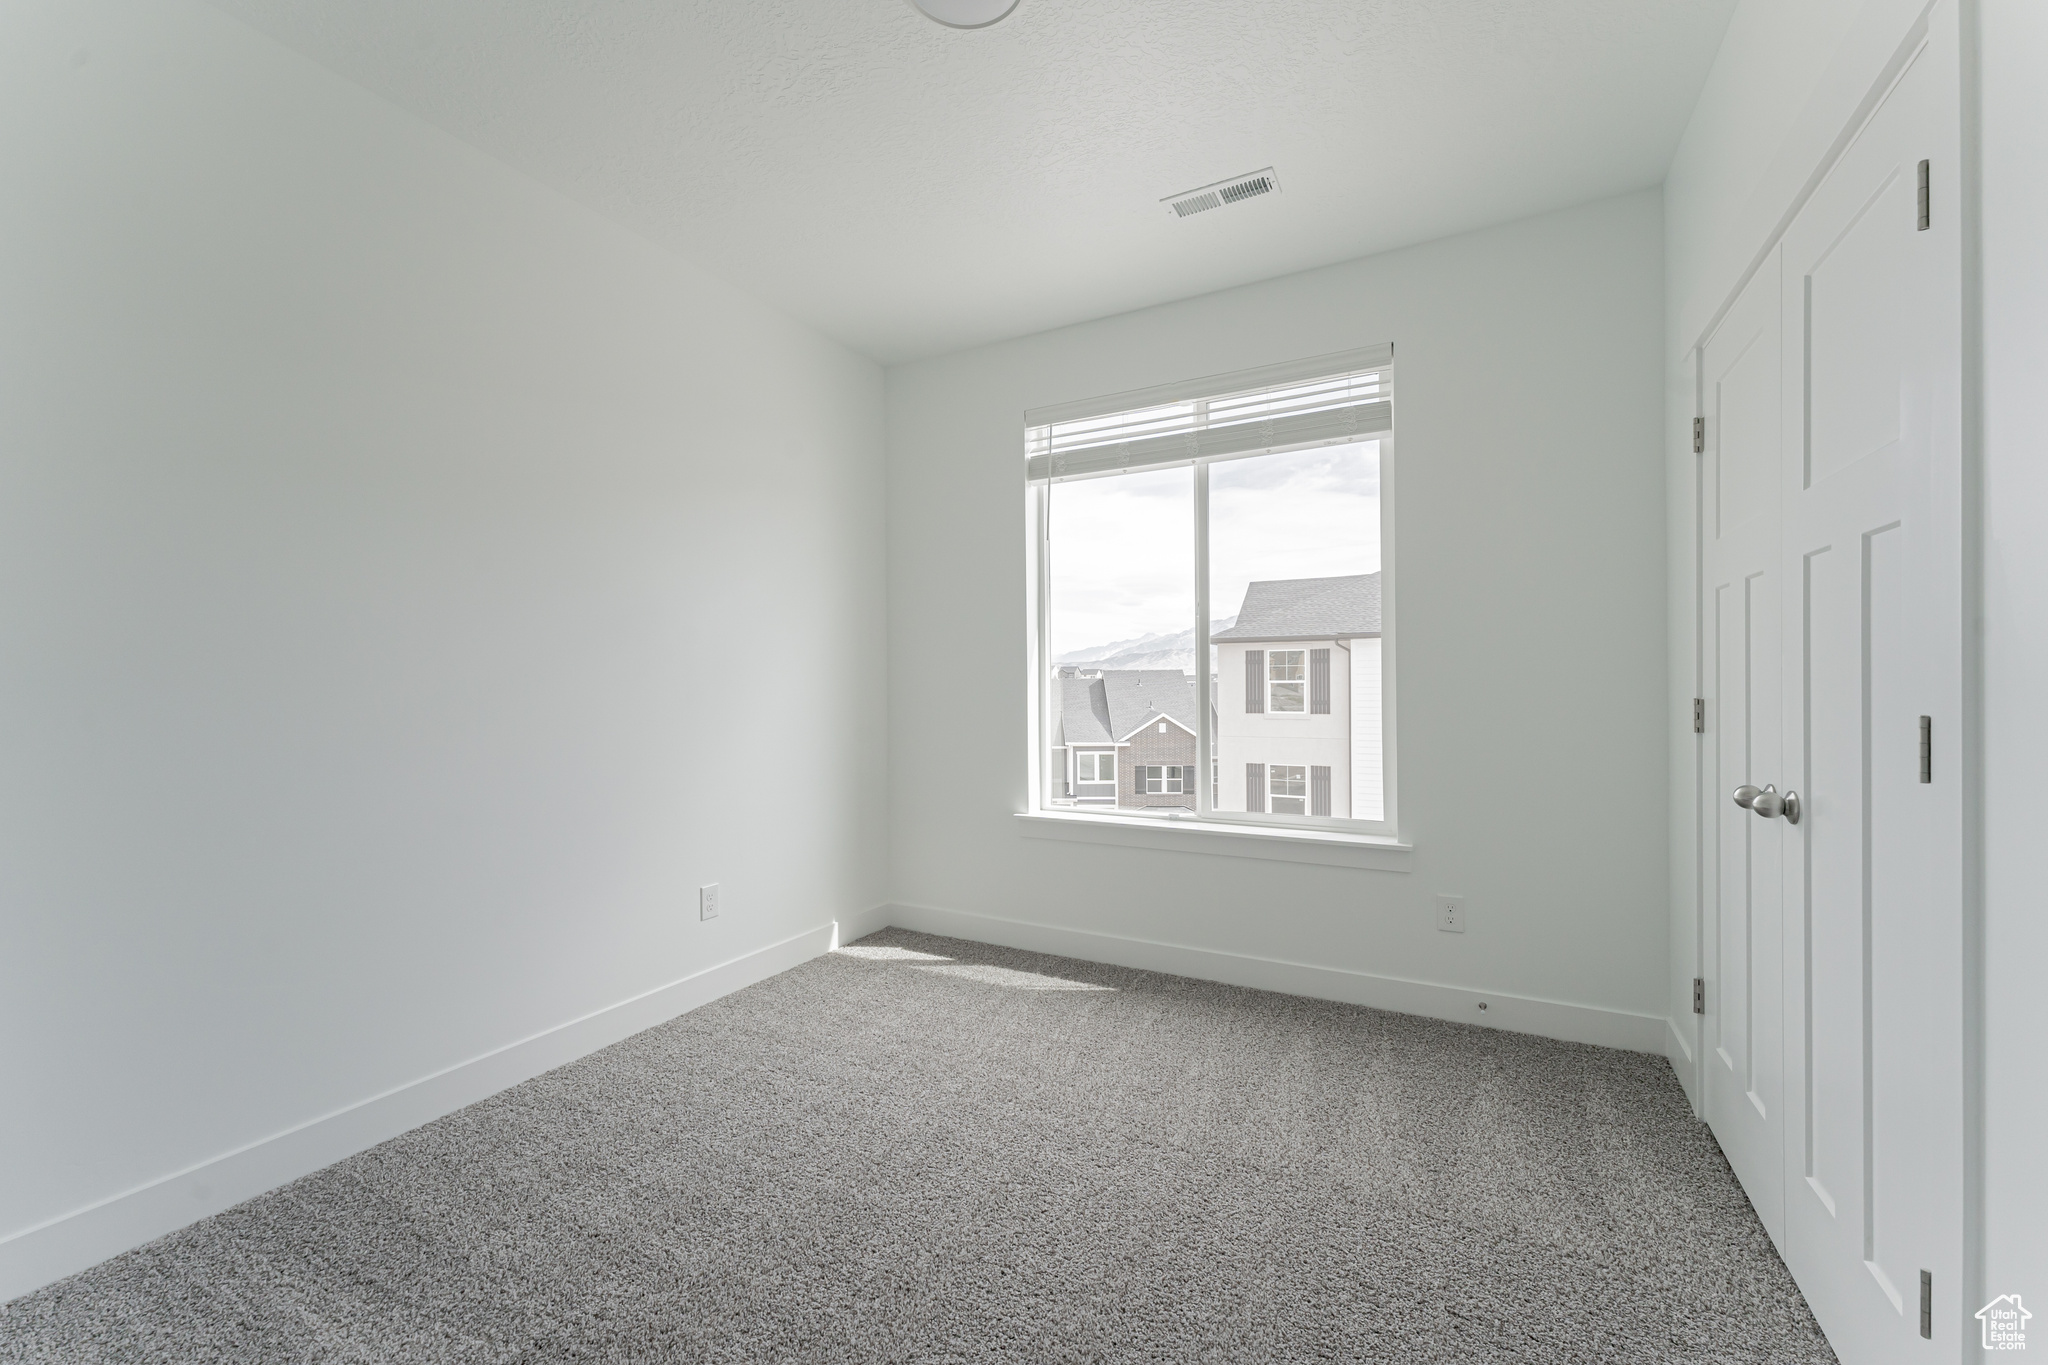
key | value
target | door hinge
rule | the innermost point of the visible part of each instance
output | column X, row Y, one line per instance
column 1699, row 715
column 1927, row 1281
column 1699, row 995
column 1699, row 435
column 1926, row 200
column 1926, row 748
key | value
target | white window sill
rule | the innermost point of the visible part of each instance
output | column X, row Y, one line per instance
column 1376, row 852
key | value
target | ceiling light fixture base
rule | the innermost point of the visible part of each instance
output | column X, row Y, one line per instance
column 964, row 13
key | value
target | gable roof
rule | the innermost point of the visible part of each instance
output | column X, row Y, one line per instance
column 1084, row 711
column 1138, row 696
column 1109, row 708
column 1308, row 609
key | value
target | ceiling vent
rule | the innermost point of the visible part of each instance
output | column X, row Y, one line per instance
column 1232, row 191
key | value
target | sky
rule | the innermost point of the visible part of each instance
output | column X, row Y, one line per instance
column 1123, row 547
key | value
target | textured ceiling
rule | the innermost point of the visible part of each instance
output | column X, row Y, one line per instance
column 910, row 188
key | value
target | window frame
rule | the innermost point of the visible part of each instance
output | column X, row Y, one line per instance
column 1141, row 784
column 1272, row 796
column 1096, row 755
column 1273, row 682
column 1387, row 829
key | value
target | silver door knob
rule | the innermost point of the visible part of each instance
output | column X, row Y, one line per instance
column 1770, row 805
column 1745, row 794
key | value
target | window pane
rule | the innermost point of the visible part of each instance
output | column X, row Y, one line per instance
column 1294, row 564
column 1120, row 621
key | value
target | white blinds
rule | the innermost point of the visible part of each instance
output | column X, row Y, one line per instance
column 1335, row 398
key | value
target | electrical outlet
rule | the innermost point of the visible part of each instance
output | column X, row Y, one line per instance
column 1450, row 914
column 707, row 901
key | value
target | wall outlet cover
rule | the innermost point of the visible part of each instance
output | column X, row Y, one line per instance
column 707, row 901
column 1450, row 914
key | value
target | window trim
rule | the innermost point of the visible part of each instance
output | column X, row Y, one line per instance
column 1185, row 834
column 1384, row 833
column 1272, row 796
column 1097, row 755
column 1142, row 777
column 1301, row 682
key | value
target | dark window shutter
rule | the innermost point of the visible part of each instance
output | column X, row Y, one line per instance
column 1319, row 682
column 1187, row 783
column 1255, row 683
column 1255, row 787
column 1319, row 789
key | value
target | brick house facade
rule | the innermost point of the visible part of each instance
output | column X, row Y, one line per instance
column 1144, row 717
column 1161, row 744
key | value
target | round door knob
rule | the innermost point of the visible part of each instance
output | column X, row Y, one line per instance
column 1745, row 794
column 1770, row 805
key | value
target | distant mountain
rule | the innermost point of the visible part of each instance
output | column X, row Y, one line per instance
column 1146, row 651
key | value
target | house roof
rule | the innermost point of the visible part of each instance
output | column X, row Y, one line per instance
column 1084, row 712
column 1308, row 609
column 1108, row 708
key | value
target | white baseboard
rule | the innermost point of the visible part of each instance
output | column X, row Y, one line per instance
column 69, row 1243
column 1516, row 1013
column 861, row 923
column 1680, row 1052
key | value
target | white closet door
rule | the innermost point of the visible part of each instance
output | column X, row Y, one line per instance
column 1871, row 490
column 1741, row 611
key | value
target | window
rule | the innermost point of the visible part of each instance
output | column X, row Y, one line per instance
column 1154, row 780
column 1287, row 787
column 1095, row 767
column 1210, row 554
column 1287, row 676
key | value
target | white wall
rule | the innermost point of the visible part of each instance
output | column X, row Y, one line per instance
column 1531, row 563
column 367, row 515
column 2014, row 118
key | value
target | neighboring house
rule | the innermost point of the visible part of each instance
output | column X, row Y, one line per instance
column 1298, row 700
column 1123, row 737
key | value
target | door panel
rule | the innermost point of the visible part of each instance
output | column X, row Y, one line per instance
column 1855, row 306
column 1745, row 415
column 1871, row 529
column 1742, row 582
column 1829, row 901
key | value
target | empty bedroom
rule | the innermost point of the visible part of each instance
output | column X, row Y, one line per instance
column 1023, row 680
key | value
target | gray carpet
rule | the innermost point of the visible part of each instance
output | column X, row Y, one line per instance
column 921, row 1149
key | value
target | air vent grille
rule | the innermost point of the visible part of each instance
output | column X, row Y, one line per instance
column 1235, row 190
column 1245, row 189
